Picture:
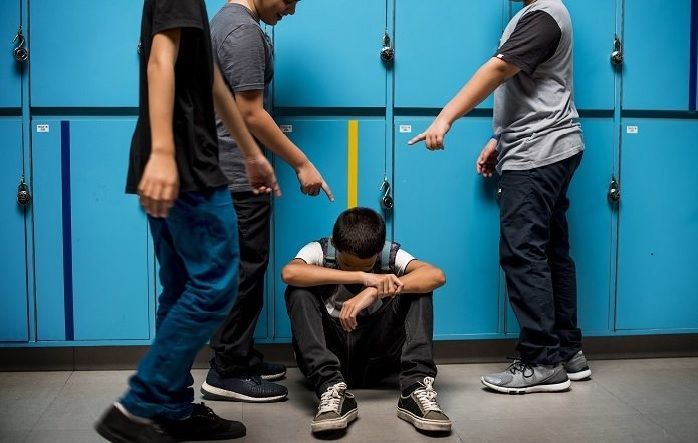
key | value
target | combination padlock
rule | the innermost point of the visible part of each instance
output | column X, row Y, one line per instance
column 20, row 53
column 387, row 52
column 24, row 197
column 387, row 202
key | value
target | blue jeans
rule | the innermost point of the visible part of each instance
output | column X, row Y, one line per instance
column 198, row 252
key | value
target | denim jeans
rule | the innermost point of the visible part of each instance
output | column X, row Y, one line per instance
column 198, row 252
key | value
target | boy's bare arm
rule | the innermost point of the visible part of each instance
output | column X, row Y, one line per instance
column 421, row 277
column 481, row 85
column 301, row 274
column 259, row 170
column 159, row 185
column 262, row 125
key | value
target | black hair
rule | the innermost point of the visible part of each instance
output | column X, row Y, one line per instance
column 359, row 232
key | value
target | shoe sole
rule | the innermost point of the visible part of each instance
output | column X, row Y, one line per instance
column 556, row 387
column 212, row 393
column 109, row 435
column 274, row 377
column 581, row 375
column 423, row 423
column 335, row 424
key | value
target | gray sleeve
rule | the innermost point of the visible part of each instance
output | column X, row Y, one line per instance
column 241, row 57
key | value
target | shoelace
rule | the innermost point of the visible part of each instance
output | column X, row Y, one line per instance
column 329, row 400
column 519, row 366
column 427, row 396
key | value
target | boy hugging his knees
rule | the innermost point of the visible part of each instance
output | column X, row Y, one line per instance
column 360, row 310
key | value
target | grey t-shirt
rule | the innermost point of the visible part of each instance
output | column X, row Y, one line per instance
column 246, row 58
column 534, row 112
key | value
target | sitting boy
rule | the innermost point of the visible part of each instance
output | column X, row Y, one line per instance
column 361, row 309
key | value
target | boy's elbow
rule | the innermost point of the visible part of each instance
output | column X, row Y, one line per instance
column 287, row 275
column 439, row 278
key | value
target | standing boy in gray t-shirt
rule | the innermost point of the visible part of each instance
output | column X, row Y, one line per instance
column 245, row 56
column 536, row 147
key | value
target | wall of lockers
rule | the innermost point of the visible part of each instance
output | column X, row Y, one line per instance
column 77, row 265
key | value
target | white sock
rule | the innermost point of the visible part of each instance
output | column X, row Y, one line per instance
column 130, row 416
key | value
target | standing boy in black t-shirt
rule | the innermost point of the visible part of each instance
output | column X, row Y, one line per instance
column 174, row 169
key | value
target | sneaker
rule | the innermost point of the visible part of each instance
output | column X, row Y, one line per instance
column 336, row 410
column 250, row 389
column 115, row 426
column 523, row 378
column 420, row 409
column 577, row 367
column 203, row 424
column 272, row 371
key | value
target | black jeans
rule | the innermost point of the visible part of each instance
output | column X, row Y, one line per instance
column 233, row 342
column 535, row 256
column 398, row 337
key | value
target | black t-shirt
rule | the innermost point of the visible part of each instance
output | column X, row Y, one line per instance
column 194, row 121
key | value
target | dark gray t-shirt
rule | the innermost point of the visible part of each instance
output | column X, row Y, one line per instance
column 246, row 58
column 534, row 112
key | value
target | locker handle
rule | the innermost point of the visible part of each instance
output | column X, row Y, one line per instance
column 387, row 201
column 614, row 191
column 20, row 53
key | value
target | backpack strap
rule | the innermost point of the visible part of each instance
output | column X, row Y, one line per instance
column 329, row 253
column 387, row 256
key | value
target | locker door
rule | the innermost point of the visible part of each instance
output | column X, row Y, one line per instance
column 13, row 273
column 92, row 255
column 590, row 227
column 11, row 90
column 658, row 243
column 657, row 55
column 439, row 45
column 84, row 54
column 447, row 215
column 327, row 55
column 350, row 156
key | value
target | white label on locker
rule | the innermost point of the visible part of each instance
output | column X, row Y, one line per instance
column 42, row 128
column 286, row 128
column 633, row 129
column 405, row 129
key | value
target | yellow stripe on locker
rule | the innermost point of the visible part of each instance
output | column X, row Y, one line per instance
column 353, row 164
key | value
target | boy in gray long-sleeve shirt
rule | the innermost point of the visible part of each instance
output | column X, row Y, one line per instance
column 537, row 146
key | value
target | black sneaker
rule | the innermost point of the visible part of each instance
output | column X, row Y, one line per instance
column 420, row 409
column 116, row 427
column 203, row 424
column 336, row 410
column 272, row 371
column 250, row 389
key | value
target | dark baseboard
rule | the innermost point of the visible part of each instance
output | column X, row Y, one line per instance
column 445, row 352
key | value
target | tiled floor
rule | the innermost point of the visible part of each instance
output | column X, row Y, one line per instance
column 626, row 401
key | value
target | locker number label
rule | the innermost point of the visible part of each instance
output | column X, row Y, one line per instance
column 405, row 129
column 42, row 128
column 286, row 128
column 633, row 129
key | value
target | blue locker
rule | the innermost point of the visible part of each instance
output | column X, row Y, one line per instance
column 590, row 222
column 594, row 31
column 327, row 55
column 84, row 54
column 439, row 45
column 658, row 244
column 13, row 273
column 447, row 215
column 11, row 90
column 91, row 239
column 657, row 55
column 299, row 219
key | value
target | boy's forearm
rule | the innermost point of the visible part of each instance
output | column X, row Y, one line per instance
column 228, row 111
column 422, row 280
column 479, row 87
column 161, row 91
column 263, row 126
column 305, row 275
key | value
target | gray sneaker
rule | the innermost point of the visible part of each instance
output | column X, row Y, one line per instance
column 577, row 367
column 336, row 410
column 523, row 378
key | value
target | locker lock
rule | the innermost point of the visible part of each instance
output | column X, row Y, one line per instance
column 386, row 200
column 20, row 53
column 617, row 54
column 614, row 191
column 24, row 197
column 387, row 51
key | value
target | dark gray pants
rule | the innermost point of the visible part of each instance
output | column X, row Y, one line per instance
column 396, row 338
column 535, row 256
column 232, row 343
